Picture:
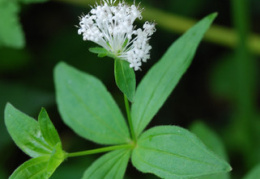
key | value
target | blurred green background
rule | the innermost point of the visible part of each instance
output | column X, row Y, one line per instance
column 221, row 88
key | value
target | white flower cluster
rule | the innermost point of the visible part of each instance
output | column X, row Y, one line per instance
column 112, row 28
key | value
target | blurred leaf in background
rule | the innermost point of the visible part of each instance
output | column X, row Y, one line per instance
column 254, row 173
column 11, row 34
column 222, row 74
column 213, row 142
column 12, row 60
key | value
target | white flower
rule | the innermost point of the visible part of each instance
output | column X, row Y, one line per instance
column 112, row 28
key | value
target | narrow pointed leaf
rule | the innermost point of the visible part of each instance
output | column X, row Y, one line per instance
column 32, row 169
column 86, row 106
column 48, row 130
column 173, row 152
column 110, row 165
column 99, row 50
column 159, row 82
column 254, row 173
column 26, row 133
column 125, row 78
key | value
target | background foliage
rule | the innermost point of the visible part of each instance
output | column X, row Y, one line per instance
column 221, row 88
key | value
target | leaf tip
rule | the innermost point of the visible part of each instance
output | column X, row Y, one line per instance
column 58, row 69
column 8, row 105
column 43, row 109
column 91, row 49
column 228, row 168
column 130, row 99
column 8, row 108
column 225, row 167
column 213, row 15
column 59, row 65
column 43, row 112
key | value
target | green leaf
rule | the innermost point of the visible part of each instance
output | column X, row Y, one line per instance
column 26, row 133
column 213, row 142
column 100, row 51
column 124, row 75
column 173, row 152
column 254, row 173
column 110, row 165
column 86, row 106
column 159, row 82
column 32, row 169
column 125, row 78
column 56, row 158
column 48, row 130
column 11, row 34
column 40, row 167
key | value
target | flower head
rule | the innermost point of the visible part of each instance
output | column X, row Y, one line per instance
column 112, row 28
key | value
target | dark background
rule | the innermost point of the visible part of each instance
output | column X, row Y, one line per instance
column 209, row 91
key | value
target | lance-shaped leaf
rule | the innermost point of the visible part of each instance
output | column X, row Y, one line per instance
column 40, row 167
column 173, row 152
column 111, row 165
column 125, row 78
column 26, row 133
column 101, row 52
column 159, row 82
column 48, row 130
column 86, row 106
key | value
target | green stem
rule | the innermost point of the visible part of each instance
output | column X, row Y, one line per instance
column 129, row 118
column 245, row 64
column 99, row 150
column 245, row 68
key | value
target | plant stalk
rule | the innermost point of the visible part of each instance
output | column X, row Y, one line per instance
column 99, row 150
column 129, row 118
column 245, row 68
